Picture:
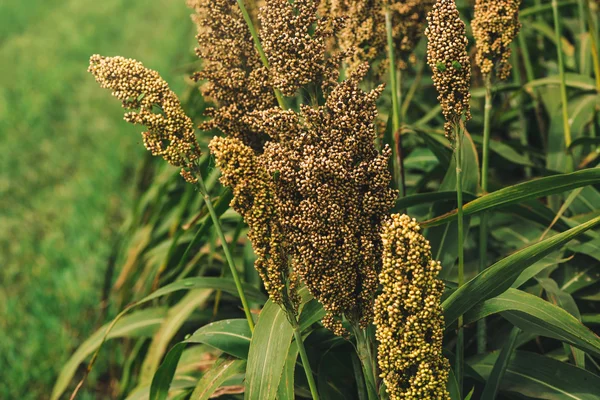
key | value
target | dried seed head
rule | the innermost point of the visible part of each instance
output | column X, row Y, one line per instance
column 363, row 35
column 252, row 188
column 495, row 25
column 296, row 56
column 447, row 56
column 408, row 315
column 234, row 76
column 170, row 132
column 408, row 24
column 332, row 192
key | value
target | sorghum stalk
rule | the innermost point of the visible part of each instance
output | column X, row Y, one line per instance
column 483, row 226
column 398, row 158
column 459, row 366
column 367, row 360
column 225, row 246
column 304, row 357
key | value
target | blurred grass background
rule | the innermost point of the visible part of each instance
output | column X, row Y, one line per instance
column 65, row 168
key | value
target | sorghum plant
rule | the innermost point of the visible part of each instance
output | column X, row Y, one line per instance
column 344, row 276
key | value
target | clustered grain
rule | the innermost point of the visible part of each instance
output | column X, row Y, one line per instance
column 170, row 131
column 447, row 56
column 252, row 187
column 294, row 39
column 408, row 24
column 363, row 36
column 232, row 73
column 332, row 192
column 408, row 315
column 495, row 25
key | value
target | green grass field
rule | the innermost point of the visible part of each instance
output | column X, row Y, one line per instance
column 67, row 157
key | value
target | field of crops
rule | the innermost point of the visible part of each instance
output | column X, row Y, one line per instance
column 349, row 199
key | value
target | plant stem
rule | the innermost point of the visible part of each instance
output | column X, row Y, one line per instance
column 483, row 226
column 368, row 363
column 304, row 357
column 259, row 48
column 459, row 368
column 225, row 246
column 396, row 112
column 518, row 79
column 563, row 85
column 534, row 94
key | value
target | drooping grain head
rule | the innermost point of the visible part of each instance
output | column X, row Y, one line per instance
column 495, row 25
column 447, row 56
column 252, row 188
column 294, row 39
column 408, row 315
column 232, row 73
column 170, row 131
column 332, row 192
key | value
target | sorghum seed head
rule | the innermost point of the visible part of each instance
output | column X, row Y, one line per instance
column 170, row 131
column 294, row 40
column 495, row 25
column 252, row 187
column 232, row 73
column 447, row 57
column 332, row 192
column 408, row 315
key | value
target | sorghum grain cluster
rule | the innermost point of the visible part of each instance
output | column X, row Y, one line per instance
column 296, row 55
column 447, row 56
column 495, row 25
column 332, row 192
column 232, row 73
column 408, row 315
column 170, row 132
column 252, row 186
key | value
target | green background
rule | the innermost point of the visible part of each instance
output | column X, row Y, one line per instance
column 66, row 163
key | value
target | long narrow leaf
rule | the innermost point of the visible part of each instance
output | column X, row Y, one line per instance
column 523, row 191
column 500, row 276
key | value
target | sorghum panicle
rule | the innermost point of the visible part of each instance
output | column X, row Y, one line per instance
column 408, row 315
column 447, row 56
column 170, row 131
column 495, row 25
column 234, row 77
column 252, row 187
column 296, row 56
column 408, row 24
column 332, row 192
column 363, row 35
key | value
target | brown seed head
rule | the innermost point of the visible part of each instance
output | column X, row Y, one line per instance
column 170, row 132
column 296, row 56
column 495, row 25
column 408, row 24
column 408, row 316
column 252, row 187
column 332, row 192
column 234, row 77
column 447, row 56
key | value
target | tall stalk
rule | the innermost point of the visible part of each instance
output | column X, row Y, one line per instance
column 395, row 77
column 367, row 360
column 483, row 226
column 225, row 246
column 304, row 357
column 459, row 367
column 563, row 85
